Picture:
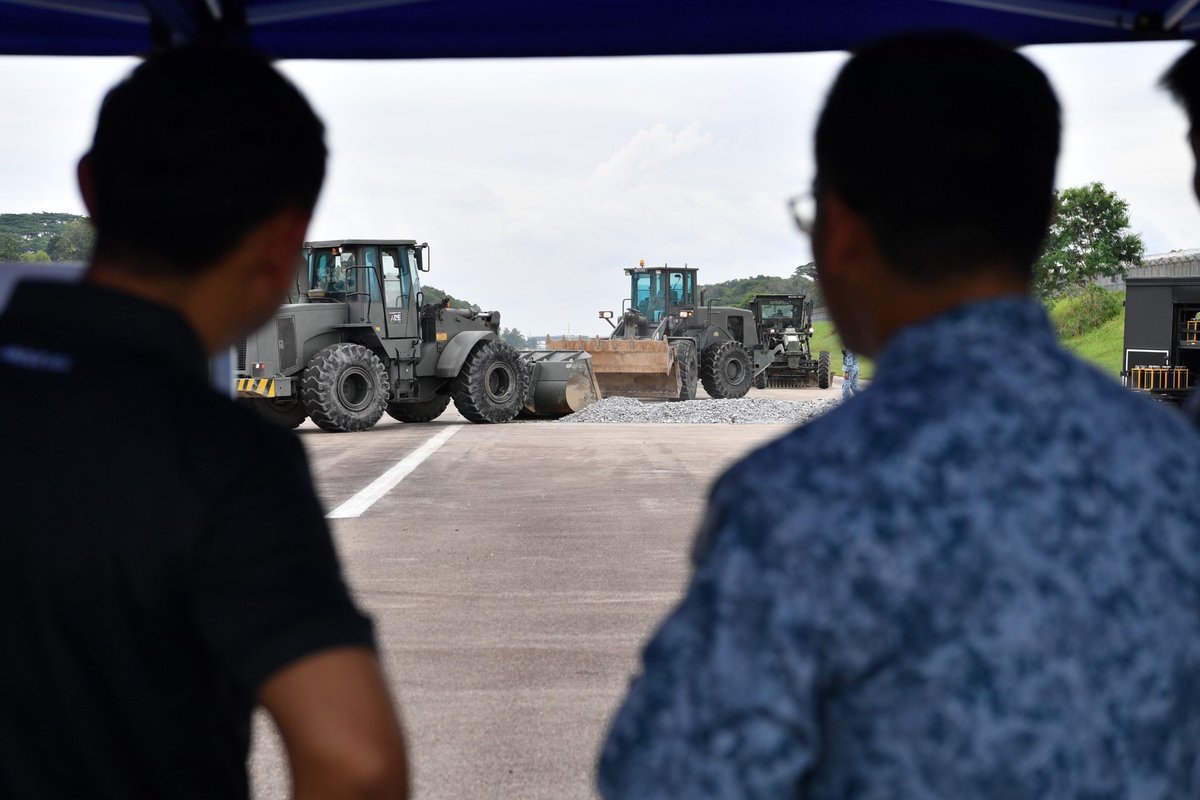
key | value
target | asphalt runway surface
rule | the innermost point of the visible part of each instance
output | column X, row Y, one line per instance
column 514, row 573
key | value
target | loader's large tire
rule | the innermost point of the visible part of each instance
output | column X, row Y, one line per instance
column 823, row 370
column 422, row 411
column 689, row 369
column 345, row 388
column 726, row 371
column 491, row 385
column 286, row 412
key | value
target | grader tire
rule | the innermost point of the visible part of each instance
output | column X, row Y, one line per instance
column 823, row 370
column 760, row 380
column 689, row 369
column 345, row 388
column 423, row 411
column 726, row 372
column 491, row 385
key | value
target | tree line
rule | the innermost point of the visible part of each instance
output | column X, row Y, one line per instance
column 738, row 292
column 45, row 237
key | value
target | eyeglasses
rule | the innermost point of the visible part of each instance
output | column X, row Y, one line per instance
column 804, row 212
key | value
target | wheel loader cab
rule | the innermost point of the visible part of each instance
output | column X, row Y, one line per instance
column 660, row 291
column 377, row 281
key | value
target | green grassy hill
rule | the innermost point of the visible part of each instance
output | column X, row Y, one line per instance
column 1098, row 332
column 1101, row 346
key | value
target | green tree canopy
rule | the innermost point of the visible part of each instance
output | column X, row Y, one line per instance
column 35, row 226
column 740, row 291
column 31, row 234
column 74, row 242
column 11, row 247
column 434, row 296
column 515, row 338
column 1089, row 238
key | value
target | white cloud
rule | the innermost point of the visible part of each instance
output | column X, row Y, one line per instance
column 645, row 151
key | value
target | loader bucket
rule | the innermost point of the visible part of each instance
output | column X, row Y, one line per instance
column 642, row 368
column 561, row 382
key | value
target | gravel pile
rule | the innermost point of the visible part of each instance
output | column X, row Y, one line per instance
column 746, row 411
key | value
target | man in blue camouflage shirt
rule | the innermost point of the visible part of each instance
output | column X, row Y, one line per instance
column 981, row 579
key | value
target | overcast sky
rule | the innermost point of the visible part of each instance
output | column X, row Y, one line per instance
column 537, row 181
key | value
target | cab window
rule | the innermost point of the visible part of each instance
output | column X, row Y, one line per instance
column 641, row 293
column 365, row 272
column 319, row 267
column 676, row 288
column 327, row 270
column 397, row 284
column 649, row 291
column 683, row 289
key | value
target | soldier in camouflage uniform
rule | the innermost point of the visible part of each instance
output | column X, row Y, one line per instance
column 990, row 588
column 849, row 374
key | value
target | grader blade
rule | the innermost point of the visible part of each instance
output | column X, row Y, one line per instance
column 561, row 382
column 641, row 368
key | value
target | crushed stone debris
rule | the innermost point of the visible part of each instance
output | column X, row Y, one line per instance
column 744, row 411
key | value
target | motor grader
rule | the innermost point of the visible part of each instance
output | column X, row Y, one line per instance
column 360, row 341
column 666, row 342
column 784, row 323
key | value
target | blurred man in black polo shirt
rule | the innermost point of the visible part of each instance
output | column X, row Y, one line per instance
column 164, row 563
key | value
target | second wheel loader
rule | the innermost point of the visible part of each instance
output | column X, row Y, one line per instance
column 666, row 342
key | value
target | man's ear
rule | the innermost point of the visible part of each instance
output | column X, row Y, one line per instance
column 846, row 239
column 87, row 184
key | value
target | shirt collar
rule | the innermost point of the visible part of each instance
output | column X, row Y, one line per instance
column 977, row 326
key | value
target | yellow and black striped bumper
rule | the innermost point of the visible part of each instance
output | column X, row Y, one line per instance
column 256, row 387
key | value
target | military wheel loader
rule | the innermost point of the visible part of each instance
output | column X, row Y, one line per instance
column 665, row 342
column 784, row 323
column 360, row 341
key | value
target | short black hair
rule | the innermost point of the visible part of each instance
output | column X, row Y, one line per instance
column 1182, row 80
column 193, row 150
column 946, row 143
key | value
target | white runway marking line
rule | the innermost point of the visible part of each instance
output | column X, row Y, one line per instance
column 356, row 505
